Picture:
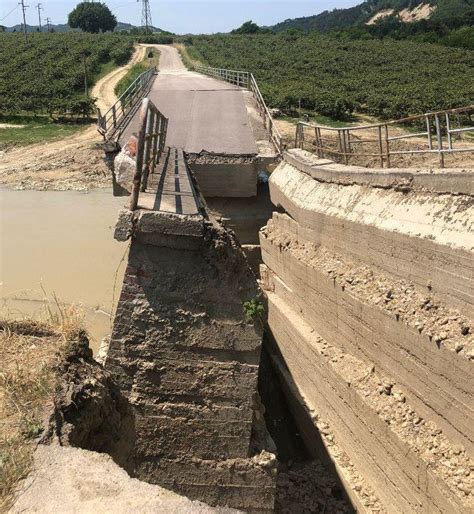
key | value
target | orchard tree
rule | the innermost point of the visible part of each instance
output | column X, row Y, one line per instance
column 249, row 27
column 92, row 17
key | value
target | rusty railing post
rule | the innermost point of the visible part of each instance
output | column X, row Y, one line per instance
column 380, row 145
column 439, row 138
column 139, row 159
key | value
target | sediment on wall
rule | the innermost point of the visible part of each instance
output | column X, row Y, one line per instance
column 370, row 299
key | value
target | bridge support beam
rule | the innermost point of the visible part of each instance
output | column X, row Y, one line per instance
column 187, row 359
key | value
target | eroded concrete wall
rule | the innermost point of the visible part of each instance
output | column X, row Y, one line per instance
column 370, row 280
column 187, row 359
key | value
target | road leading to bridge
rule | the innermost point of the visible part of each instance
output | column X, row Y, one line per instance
column 204, row 114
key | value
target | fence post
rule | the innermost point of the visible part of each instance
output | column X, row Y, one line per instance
column 380, row 146
column 448, row 132
column 341, row 151
column 387, row 146
column 139, row 160
column 344, row 135
column 428, row 132
column 440, row 141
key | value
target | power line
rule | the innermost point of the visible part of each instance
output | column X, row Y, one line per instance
column 23, row 8
column 38, row 6
column 48, row 21
column 7, row 15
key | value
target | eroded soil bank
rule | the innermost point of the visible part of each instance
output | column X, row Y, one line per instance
column 61, row 243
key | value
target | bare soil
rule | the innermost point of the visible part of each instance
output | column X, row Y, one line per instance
column 420, row 12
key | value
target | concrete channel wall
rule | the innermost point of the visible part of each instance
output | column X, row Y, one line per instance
column 369, row 277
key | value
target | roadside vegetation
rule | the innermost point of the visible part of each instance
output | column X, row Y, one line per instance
column 152, row 58
column 385, row 79
column 29, row 352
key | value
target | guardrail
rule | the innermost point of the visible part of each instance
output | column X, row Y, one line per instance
column 152, row 131
column 268, row 121
column 112, row 123
column 439, row 137
column 238, row 78
column 247, row 80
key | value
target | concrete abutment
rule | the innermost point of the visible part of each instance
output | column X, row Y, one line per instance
column 187, row 358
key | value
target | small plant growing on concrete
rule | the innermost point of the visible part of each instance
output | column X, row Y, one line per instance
column 253, row 309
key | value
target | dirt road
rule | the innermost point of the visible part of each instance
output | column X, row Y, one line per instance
column 73, row 163
column 104, row 89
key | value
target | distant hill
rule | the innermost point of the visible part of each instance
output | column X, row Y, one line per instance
column 371, row 11
column 121, row 26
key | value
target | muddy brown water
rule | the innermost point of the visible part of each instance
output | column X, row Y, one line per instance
column 61, row 243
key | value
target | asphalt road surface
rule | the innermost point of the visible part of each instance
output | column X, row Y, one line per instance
column 204, row 114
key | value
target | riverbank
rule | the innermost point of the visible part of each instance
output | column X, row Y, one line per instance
column 61, row 242
column 29, row 350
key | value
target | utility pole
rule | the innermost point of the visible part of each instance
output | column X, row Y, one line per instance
column 23, row 8
column 146, row 16
column 48, row 21
column 38, row 6
column 84, row 56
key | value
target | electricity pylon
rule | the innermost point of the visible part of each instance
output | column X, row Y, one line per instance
column 146, row 16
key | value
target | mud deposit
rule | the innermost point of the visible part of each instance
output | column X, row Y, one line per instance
column 61, row 242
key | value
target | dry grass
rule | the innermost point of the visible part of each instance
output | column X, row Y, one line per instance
column 29, row 351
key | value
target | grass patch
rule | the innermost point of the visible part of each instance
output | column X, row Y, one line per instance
column 29, row 351
column 189, row 55
column 319, row 119
column 152, row 58
column 36, row 129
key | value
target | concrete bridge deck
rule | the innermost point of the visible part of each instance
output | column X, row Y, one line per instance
column 204, row 114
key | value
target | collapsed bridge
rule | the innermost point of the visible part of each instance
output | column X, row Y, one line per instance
column 368, row 279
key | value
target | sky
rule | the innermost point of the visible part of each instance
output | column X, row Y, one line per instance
column 180, row 16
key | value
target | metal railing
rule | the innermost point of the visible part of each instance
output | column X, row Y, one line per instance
column 268, row 122
column 116, row 118
column 238, row 78
column 247, row 80
column 152, row 131
column 443, row 130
